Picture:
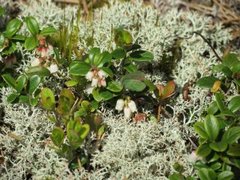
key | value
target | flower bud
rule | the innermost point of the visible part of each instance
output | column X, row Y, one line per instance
column 36, row 62
column 127, row 113
column 132, row 106
column 53, row 68
column 89, row 75
column 119, row 105
column 102, row 74
column 94, row 82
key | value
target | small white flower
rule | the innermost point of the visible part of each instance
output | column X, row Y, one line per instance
column 36, row 62
column 94, row 82
column 119, row 105
column 127, row 112
column 89, row 75
column 89, row 89
column 53, row 68
column 132, row 106
column 102, row 83
column 102, row 74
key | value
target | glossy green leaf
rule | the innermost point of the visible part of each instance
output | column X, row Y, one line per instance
column 102, row 59
column 231, row 135
column 219, row 100
column 203, row 150
column 114, row 86
column 218, row 146
column 18, row 37
column 32, row 25
column 207, row 174
column 9, row 80
column 48, row 31
column 224, row 69
column 131, row 68
column 234, row 104
column 47, row 99
column 225, row 175
column 10, row 49
column 119, row 53
column 20, row 83
column 33, row 101
column 38, row 70
column 134, row 85
column 34, row 82
column 213, row 108
column 108, row 71
column 230, row 60
column 96, row 95
column 106, row 95
column 79, row 69
column 12, row 97
column 234, row 150
column 122, row 37
column 211, row 126
column 23, row 99
column 57, row 136
column 206, row 82
column 216, row 166
column 12, row 27
column 71, row 83
column 199, row 128
column 31, row 43
column 141, row 56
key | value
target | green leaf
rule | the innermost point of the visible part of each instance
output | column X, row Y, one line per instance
column 9, row 80
column 134, row 85
column 18, row 37
column 141, row 56
column 215, row 166
column 31, row 43
column 115, row 86
column 213, row 108
column 176, row 176
column 34, row 82
column 38, row 70
column 206, row 82
column 230, row 60
column 234, row 150
column 224, row 69
column 206, row 174
column 65, row 102
column 150, row 85
column 79, row 68
column 106, row 95
column 23, row 99
column 96, row 95
column 32, row 25
column 199, row 128
column 231, row 135
column 12, row 27
column 47, row 99
column 108, row 71
column 203, row 150
column 102, row 59
column 131, row 68
column 48, row 31
column 20, row 83
column 57, row 136
column 71, row 83
column 122, row 37
column 219, row 99
column 211, row 126
column 12, row 97
column 225, row 175
column 119, row 53
column 234, row 104
column 218, row 146
column 33, row 101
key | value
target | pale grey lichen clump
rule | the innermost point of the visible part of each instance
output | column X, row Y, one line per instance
column 134, row 151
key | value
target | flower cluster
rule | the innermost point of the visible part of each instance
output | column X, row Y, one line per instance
column 97, row 78
column 44, row 56
column 128, row 106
